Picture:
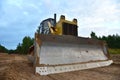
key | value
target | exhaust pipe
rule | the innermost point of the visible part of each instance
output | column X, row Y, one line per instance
column 55, row 19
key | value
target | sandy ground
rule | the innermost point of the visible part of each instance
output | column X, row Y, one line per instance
column 17, row 67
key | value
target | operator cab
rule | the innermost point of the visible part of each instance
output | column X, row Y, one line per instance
column 44, row 27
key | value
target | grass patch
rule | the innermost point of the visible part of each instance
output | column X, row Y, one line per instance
column 114, row 51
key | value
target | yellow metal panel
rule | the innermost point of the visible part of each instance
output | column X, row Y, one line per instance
column 58, row 26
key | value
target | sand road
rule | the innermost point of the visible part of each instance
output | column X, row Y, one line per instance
column 17, row 67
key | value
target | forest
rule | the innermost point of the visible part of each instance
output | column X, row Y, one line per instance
column 113, row 42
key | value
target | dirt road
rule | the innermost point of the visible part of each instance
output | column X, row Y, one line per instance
column 17, row 67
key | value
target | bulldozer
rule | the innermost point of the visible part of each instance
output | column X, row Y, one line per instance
column 58, row 48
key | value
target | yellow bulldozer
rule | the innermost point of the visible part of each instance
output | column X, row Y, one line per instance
column 58, row 48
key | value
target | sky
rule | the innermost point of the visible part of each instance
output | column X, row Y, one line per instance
column 20, row 18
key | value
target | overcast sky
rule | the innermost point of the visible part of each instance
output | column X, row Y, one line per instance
column 19, row 18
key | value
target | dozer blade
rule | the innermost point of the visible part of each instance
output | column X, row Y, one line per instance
column 56, row 54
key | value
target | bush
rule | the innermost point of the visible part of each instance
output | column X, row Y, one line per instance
column 114, row 51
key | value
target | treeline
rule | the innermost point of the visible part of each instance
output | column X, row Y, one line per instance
column 3, row 49
column 22, row 48
column 113, row 41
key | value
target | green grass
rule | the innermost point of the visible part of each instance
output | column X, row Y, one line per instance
column 114, row 51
